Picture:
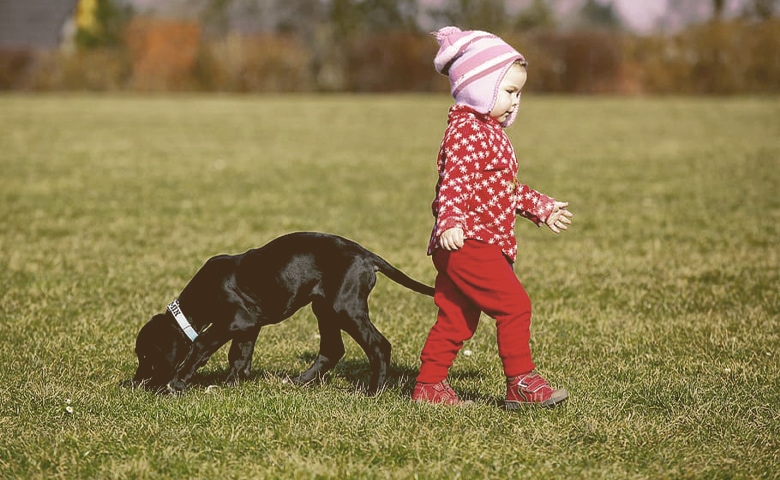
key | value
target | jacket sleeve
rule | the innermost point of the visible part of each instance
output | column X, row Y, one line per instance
column 458, row 166
column 533, row 205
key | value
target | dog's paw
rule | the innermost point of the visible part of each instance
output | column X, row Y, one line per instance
column 175, row 387
column 133, row 384
column 306, row 379
column 234, row 378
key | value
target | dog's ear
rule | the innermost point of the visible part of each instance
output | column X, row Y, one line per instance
column 157, row 348
column 150, row 334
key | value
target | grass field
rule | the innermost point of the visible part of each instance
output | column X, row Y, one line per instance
column 658, row 310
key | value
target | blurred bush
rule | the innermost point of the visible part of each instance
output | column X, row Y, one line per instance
column 714, row 58
column 15, row 68
column 163, row 53
column 259, row 63
column 717, row 57
column 577, row 62
column 391, row 62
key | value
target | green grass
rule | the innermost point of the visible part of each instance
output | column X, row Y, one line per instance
column 658, row 310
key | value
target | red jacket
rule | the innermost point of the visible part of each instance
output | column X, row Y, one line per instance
column 477, row 188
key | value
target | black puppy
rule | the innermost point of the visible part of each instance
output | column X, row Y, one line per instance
column 232, row 296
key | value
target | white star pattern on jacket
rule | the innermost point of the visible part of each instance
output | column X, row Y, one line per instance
column 477, row 189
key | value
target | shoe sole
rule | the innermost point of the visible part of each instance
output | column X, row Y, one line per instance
column 558, row 397
column 459, row 403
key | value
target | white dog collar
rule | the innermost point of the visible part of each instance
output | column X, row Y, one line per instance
column 175, row 310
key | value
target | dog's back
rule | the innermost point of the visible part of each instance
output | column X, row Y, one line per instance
column 306, row 255
column 297, row 267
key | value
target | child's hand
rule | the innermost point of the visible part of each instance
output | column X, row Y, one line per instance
column 451, row 239
column 560, row 218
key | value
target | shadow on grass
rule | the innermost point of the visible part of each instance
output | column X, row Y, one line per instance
column 355, row 371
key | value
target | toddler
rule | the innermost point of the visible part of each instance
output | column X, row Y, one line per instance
column 477, row 198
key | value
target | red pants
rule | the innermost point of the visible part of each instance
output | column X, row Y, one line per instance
column 477, row 278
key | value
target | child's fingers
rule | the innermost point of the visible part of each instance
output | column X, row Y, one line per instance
column 452, row 239
column 559, row 223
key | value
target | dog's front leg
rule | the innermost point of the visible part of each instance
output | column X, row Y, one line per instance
column 240, row 355
column 202, row 349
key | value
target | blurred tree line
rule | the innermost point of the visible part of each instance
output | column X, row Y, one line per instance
column 384, row 46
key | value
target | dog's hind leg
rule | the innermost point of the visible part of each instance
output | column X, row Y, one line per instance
column 331, row 344
column 373, row 343
column 240, row 355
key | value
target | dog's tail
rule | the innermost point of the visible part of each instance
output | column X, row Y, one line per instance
column 400, row 277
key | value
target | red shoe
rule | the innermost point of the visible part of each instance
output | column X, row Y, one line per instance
column 436, row 393
column 532, row 389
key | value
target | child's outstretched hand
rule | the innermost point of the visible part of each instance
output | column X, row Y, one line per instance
column 560, row 218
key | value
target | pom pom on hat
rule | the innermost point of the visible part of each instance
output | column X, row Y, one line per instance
column 475, row 62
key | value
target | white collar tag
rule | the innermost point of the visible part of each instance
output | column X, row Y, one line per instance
column 175, row 310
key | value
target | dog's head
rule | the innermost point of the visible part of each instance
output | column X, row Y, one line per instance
column 160, row 347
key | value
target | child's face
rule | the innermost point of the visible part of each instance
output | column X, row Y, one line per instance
column 508, row 97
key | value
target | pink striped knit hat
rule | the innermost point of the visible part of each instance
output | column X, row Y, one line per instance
column 475, row 63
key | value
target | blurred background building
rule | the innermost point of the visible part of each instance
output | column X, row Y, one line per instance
column 38, row 24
